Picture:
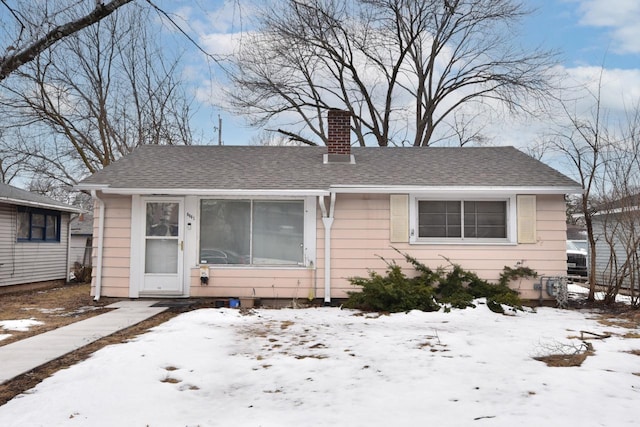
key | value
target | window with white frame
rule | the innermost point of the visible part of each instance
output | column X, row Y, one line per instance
column 251, row 232
column 462, row 219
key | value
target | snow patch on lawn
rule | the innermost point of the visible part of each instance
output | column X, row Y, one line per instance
column 332, row 367
column 21, row 325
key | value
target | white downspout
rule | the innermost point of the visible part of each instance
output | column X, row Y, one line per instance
column 98, row 274
column 69, row 266
column 327, row 221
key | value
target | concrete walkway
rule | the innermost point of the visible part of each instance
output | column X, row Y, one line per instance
column 24, row 355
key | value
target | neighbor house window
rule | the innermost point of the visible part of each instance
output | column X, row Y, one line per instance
column 462, row 219
column 38, row 225
column 256, row 232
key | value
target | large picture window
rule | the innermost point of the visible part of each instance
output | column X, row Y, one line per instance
column 38, row 225
column 466, row 219
column 256, row 232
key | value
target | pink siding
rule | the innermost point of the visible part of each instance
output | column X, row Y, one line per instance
column 267, row 283
column 359, row 237
column 116, row 246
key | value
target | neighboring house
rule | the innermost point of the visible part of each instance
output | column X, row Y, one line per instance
column 616, row 230
column 297, row 222
column 34, row 232
column 80, row 245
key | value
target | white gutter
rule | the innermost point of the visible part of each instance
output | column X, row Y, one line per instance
column 204, row 191
column 98, row 275
column 327, row 221
column 389, row 189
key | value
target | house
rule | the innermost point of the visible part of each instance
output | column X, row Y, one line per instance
column 80, row 245
column 34, row 236
column 297, row 222
column 616, row 230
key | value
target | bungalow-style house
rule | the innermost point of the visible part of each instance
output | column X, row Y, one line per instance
column 34, row 235
column 297, row 222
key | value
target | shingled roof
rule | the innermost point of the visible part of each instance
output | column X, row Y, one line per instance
column 302, row 168
column 16, row 196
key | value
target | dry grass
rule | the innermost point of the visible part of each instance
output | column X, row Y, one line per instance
column 564, row 360
column 24, row 382
column 625, row 318
column 54, row 307
column 58, row 307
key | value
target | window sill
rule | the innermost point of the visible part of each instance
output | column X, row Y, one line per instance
column 455, row 242
column 252, row 267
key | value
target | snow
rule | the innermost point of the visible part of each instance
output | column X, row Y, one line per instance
column 21, row 325
column 332, row 367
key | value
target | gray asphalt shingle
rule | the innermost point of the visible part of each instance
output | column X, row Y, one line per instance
column 18, row 196
column 298, row 168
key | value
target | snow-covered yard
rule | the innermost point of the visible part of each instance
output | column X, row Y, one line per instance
column 332, row 367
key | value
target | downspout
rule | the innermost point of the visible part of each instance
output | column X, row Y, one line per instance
column 327, row 221
column 69, row 266
column 98, row 275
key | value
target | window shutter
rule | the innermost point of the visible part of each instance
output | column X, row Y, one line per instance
column 527, row 219
column 399, row 224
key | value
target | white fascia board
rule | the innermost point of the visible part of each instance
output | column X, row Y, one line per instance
column 626, row 209
column 89, row 187
column 40, row 205
column 212, row 192
column 453, row 189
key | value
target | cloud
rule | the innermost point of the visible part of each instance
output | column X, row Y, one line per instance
column 621, row 17
column 619, row 89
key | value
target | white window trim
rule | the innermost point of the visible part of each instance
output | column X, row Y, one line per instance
column 512, row 223
column 309, row 238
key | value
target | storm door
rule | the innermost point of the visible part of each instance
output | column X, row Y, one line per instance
column 163, row 247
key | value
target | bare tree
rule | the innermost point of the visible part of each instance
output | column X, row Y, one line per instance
column 617, row 224
column 11, row 163
column 403, row 68
column 584, row 144
column 35, row 33
column 98, row 95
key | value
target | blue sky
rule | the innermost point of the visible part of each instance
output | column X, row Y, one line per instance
column 587, row 33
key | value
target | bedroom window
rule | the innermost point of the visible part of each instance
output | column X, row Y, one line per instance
column 252, row 232
column 462, row 219
column 37, row 225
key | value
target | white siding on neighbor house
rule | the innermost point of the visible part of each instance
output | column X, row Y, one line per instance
column 30, row 262
column 606, row 268
column 79, row 251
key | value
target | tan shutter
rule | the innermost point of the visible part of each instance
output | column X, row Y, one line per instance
column 527, row 219
column 399, row 224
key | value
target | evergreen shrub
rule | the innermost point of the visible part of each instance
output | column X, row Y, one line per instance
column 431, row 290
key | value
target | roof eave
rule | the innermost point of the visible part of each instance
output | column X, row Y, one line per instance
column 206, row 191
column 50, row 206
column 344, row 188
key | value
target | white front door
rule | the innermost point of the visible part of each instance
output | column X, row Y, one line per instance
column 163, row 247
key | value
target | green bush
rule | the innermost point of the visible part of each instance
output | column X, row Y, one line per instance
column 393, row 293
column 431, row 290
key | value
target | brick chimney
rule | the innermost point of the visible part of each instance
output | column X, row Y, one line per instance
column 339, row 137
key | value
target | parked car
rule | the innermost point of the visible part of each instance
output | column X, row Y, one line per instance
column 576, row 259
column 221, row 256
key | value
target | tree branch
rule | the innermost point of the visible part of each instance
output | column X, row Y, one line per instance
column 11, row 63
